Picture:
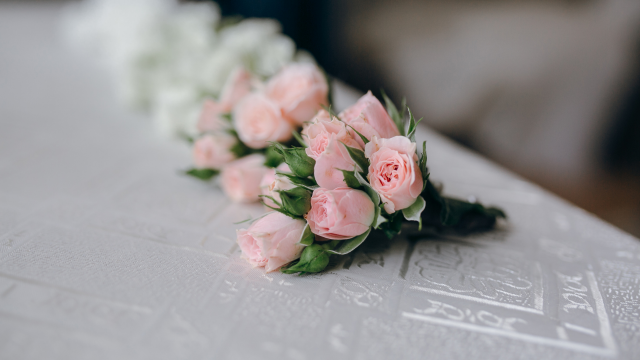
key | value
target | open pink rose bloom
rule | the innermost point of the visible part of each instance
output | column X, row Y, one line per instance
column 370, row 119
column 213, row 151
column 259, row 120
column 394, row 172
column 340, row 214
column 240, row 179
column 300, row 90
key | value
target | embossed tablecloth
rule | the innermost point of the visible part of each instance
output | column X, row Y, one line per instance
column 106, row 252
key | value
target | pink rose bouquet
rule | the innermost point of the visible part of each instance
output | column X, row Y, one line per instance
column 356, row 173
column 247, row 118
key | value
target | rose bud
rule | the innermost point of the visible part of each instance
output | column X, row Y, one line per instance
column 237, row 86
column 240, row 179
column 271, row 183
column 393, row 171
column 340, row 214
column 327, row 140
column 258, row 120
column 211, row 151
column 272, row 241
column 314, row 258
column 369, row 118
column 210, row 119
column 300, row 90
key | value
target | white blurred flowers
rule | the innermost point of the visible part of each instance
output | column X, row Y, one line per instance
column 167, row 57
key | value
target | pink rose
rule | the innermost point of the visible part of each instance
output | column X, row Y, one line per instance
column 323, row 115
column 272, row 241
column 272, row 182
column 211, row 151
column 300, row 89
column 394, row 173
column 240, row 179
column 237, row 86
column 258, row 120
column 369, row 118
column 340, row 214
column 327, row 140
column 318, row 132
column 210, row 119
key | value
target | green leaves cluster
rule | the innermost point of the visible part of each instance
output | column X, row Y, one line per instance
column 399, row 117
column 299, row 162
column 295, row 202
column 463, row 216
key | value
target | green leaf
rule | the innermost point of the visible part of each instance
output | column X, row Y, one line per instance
column 239, row 149
column 243, row 221
column 282, row 211
column 272, row 157
column 457, row 209
column 227, row 117
column 299, row 139
column 423, row 165
column 350, row 179
column 314, row 258
column 393, row 112
column 413, row 212
column 186, row 137
column 296, row 201
column 251, row 219
column 364, row 138
column 375, row 198
column 347, row 246
column 379, row 220
column 330, row 111
column 202, row 174
column 328, row 79
column 393, row 226
column 434, row 194
column 459, row 214
column 308, row 183
column 297, row 159
column 413, row 126
column 307, row 237
column 367, row 188
column 359, row 158
column 272, row 199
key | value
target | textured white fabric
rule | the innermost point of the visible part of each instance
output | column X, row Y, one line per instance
column 106, row 252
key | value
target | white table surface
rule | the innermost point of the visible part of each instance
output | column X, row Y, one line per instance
column 107, row 253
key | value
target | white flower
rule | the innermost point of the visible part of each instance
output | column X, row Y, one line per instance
column 166, row 56
column 247, row 35
column 176, row 111
column 217, row 68
column 274, row 54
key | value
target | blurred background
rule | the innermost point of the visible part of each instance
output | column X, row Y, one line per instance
column 547, row 88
